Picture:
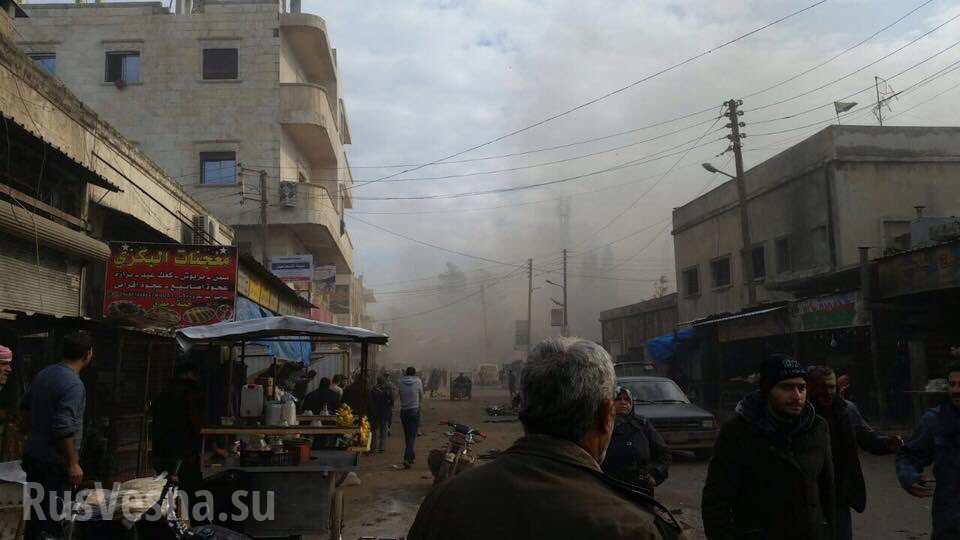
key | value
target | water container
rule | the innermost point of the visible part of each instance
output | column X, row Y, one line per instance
column 273, row 413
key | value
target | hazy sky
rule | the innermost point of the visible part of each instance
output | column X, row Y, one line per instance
column 423, row 80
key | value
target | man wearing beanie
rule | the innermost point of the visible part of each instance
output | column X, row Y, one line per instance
column 772, row 472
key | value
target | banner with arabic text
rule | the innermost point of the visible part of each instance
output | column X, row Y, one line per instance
column 170, row 285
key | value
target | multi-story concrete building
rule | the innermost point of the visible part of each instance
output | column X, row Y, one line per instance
column 218, row 92
column 810, row 208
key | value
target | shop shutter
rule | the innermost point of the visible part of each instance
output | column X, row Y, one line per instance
column 35, row 228
column 26, row 287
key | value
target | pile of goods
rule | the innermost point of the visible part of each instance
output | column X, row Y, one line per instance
column 346, row 418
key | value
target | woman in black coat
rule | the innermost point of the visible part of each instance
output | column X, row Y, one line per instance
column 637, row 453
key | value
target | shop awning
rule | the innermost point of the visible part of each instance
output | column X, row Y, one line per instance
column 770, row 321
column 734, row 317
column 279, row 329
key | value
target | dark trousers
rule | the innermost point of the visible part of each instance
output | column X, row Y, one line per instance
column 411, row 423
column 53, row 486
column 380, row 427
column 844, row 524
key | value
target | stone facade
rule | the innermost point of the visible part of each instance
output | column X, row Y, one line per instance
column 810, row 208
column 282, row 114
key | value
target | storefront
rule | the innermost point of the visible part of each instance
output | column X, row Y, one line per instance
column 921, row 292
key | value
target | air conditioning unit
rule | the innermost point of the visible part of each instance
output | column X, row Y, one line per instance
column 288, row 194
column 203, row 228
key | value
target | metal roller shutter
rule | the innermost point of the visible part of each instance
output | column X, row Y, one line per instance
column 27, row 287
column 29, row 226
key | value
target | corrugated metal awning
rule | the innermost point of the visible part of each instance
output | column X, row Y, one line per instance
column 35, row 228
column 732, row 317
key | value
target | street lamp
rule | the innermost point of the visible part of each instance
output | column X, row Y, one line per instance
column 557, row 284
column 711, row 169
column 746, row 255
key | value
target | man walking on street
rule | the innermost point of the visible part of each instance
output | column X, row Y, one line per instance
column 549, row 483
column 936, row 441
column 411, row 394
column 848, row 431
column 771, row 475
column 55, row 401
column 382, row 402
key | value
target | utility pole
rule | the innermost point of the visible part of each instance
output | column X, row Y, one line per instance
column 876, row 83
column 565, row 329
column 529, row 305
column 734, row 114
column 486, row 337
column 264, row 236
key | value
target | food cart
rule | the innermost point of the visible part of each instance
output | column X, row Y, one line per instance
column 304, row 477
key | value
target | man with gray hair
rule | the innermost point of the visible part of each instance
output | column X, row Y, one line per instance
column 549, row 483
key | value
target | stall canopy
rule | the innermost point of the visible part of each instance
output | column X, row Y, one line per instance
column 298, row 350
column 663, row 348
column 279, row 329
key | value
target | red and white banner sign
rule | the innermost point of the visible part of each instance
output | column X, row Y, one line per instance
column 170, row 285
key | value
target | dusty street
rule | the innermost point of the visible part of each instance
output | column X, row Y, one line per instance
column 386, row 502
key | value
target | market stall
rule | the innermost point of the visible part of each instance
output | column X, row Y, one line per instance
column 300, row 460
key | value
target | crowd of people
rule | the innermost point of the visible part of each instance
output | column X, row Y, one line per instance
column 787, row 466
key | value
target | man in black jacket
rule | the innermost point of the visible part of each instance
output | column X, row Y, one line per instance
column 771, row 476
column 848, row 430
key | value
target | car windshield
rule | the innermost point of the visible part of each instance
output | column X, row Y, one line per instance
column 655, row 391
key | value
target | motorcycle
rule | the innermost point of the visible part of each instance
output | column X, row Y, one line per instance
column 457, row 457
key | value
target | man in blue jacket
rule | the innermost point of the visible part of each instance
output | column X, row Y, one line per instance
column 936, row 441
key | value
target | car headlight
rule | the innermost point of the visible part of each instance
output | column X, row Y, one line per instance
column 708, row 423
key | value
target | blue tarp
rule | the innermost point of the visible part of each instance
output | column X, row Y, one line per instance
column 662, row 348
column 299, row 351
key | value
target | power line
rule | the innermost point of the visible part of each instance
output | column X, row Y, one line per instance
column 623, row 165
column 846, row 76
column 655, row 184
column 606, row 95
column 839, row 54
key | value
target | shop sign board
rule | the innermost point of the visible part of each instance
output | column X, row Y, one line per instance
column 843, row 310
column 325, row 278
column 170, row 285
column 923, row 270
column 521, row 336
column 556, row 317
column 293, row 267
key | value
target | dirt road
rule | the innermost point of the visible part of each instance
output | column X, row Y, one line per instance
column 387, row 501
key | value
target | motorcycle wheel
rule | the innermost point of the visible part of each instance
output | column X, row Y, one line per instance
column 446, row 468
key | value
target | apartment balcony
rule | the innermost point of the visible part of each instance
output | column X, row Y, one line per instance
column 311, row 214
column 307, row 37
column 308, row 118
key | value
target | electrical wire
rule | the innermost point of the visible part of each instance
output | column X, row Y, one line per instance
column 606, row 95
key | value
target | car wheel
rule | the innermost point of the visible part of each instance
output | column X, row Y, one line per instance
column 703, row 453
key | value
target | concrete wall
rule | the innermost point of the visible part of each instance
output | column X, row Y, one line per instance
column 173, row 114
column 829, row 195
column 45, row 107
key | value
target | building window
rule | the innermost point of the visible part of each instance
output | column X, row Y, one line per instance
column 691, row 281
column 123, row 66
column 784, row 261
column 46, row 61
column 759, row 254
column 220, row 64
column 218, row 168
column 720, row 272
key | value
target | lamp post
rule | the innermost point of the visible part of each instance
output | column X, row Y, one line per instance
column 746, row 254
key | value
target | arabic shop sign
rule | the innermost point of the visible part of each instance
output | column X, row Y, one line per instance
column 828, row 312
column 170, row 285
